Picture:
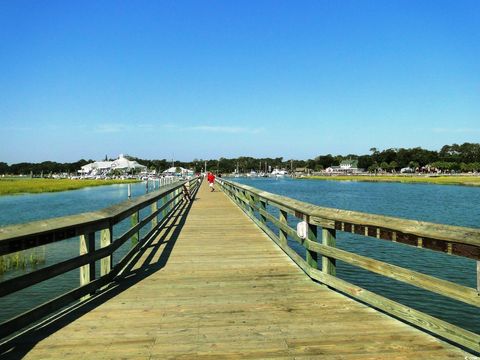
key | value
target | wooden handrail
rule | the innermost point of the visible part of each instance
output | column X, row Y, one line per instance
column 379, row 226
column 25, row 236
column 454, row 240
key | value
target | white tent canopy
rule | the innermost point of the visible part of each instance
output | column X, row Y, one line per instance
column 121, row 163
column 178, row 170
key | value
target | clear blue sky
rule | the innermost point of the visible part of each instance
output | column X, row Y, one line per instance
column 208, row 79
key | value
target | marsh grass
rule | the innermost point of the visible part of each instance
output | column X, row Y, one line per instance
column 22, row 260
column 11, row 186
column 465, row 180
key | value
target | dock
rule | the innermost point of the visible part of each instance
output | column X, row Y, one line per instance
column 213, row 285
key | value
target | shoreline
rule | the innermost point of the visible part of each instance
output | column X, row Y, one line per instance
column 19, row 186
column 458, row 180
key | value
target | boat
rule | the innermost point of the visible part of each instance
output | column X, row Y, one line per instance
column 279, row 173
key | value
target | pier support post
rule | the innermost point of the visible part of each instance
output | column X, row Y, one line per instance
column 329, row 264
column 478, row 276
column 87, row 272
column 263, row 206
column 106, row 236
column 248, row 199
column 134, row 221
column 282, row 234
column 164, row 211
column 154, row 208
column 312, row 256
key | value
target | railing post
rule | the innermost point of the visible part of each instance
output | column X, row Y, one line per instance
column 282, row 234
column 154, row 208
column 134, row 221
column 263, row 206
column 87, row 272
column 251, row 199
column 328, row 239
column 312, row 256
column 478, row 276
column 175, row 195
column 106, row 236
column 164, row 211
column 246, row 202
column 238, row 194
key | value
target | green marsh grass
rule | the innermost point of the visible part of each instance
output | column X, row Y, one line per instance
column 466, row 180
column 22, row 260
column 11, row 186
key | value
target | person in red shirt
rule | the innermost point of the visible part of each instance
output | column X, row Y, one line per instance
column 211, row 181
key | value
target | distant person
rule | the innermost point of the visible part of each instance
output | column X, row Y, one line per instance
column 211, row 181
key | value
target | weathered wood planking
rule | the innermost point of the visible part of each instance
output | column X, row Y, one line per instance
column 330, row 253
column 20, row 236
column 227, row 291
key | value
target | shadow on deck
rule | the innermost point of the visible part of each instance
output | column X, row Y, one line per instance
column 150, row 259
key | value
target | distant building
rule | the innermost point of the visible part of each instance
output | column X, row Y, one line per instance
column 349, row 165
column 102, row 168
column 302, row 171
column 178, row 171
column 346, row 167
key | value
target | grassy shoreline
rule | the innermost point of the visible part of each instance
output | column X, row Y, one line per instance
column 409, row 179
column 16, row 186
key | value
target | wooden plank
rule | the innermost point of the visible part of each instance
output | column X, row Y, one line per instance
column 250, row 301
column 23, row 281
column 38, row 233
column 87, row 245
column 328, row 263
column 311, row 256
column 282, row 225
column 134, row 220
column 10, row 326
column 283, row 219
column 478, row 277
column 263, row 206
column 154, row 211
column 427, row 282
column 417, row 318
column 423, row 229
column 106, row 236
column 25, row 236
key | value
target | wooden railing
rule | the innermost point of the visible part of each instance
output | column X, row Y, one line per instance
column 160, row 204
column 449, row 239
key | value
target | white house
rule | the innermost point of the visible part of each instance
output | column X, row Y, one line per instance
column 346, row 167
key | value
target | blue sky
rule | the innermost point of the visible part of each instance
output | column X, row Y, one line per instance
column 210, row 79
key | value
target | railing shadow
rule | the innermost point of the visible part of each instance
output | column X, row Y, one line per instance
column 137, row 270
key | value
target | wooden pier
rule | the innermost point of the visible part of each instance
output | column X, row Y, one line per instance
column 211, row 284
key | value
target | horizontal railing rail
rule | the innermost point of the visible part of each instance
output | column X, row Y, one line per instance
column 454, row 240
column 160, row 204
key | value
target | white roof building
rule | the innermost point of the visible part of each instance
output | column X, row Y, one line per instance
column 125, row 164
column 106, row 166
column 178, row 171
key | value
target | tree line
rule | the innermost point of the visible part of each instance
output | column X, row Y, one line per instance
column 464, row 158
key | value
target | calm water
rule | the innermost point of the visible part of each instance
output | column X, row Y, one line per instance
column 30, row 207
column 442, row 204
column 454, row 205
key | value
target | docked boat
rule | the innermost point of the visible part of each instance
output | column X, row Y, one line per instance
column 279, row 173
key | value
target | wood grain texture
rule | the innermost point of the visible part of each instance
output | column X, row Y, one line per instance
column 213, row 285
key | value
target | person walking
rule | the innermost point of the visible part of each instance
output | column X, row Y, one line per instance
column 211, row 181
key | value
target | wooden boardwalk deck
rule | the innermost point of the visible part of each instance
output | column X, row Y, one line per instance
column 212, row 285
